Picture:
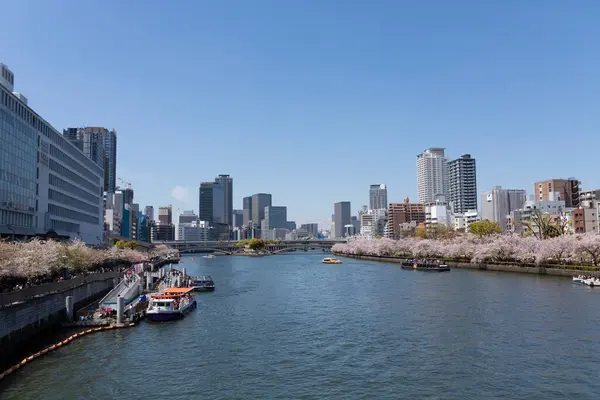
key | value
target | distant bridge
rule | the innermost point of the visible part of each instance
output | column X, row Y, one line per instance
column 229, row 248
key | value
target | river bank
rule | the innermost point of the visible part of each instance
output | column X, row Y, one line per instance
column 555, row 270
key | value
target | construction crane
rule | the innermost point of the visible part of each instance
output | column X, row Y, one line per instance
column 128, row 184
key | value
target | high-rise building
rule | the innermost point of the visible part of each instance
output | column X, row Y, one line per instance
column 462, row 179
column 238, row 218
column 432, row 174
column 275, row 218
column 48, row 186
column 149, row 212
column 568, row 189
column 99, row 144
column 187, row 217
column 205, row 205
column 404, row 217
column 226, row 183
column 212, row 203
column 247, row 210
column 498, row 203
column 311, row 228
column 259, row 202
column 341, row 218
column 127, row 195
column 378, row 196
column 165, row 215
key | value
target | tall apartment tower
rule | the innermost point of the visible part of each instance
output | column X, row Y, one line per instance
column 378, row 197
column 100, row 145
column 432, row 174
column 227, row 183
column 462, row 180
column 498, row 203
column 568, row 189
column 341, row 218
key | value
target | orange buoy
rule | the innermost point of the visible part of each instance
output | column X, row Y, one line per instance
column 31, row 357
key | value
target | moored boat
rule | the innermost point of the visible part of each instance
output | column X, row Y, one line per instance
column 432, row 266
column 587, row 280
column 202, row 284
column 331, row 260
column 172, row 304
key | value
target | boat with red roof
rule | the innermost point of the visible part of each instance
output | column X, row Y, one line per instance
column 172, row 304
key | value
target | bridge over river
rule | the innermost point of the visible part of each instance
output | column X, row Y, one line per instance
column 231, row 248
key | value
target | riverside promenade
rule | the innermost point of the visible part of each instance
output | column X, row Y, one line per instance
column 27, row 312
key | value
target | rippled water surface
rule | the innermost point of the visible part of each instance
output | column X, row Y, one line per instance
column 289, row 327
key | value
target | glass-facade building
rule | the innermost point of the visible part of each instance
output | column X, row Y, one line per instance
column 47, row 184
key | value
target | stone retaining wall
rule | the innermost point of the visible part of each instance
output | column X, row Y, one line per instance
column 21, row 321
column 506, row 267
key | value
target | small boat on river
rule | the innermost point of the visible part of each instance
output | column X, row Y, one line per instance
column 202, row 284
column 172, row 304
column 432, row 266
column 210, row 256
column 331, row 260
column 586, row 280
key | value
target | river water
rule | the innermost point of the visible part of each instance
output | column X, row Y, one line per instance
column 289, row 327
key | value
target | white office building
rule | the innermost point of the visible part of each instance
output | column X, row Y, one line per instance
column 47, row 185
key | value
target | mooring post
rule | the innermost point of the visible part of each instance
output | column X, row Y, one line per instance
column 70, row 305
column 120, row 309
column 183, row 270
column 148, row 280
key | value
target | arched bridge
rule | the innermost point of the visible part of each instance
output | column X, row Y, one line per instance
column 232, row 247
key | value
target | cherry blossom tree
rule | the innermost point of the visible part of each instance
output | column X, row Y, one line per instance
column 493, row 248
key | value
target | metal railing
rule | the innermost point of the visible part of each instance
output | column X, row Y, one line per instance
column 22, row 295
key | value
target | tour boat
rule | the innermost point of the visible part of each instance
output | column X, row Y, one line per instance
column 426, row 266
column 587, row 280
column 202, row 284
column 172, row 304
column 330, row 260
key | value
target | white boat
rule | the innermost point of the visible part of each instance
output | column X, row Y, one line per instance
column 209, row 256
column 587, row 280
column 172, row 304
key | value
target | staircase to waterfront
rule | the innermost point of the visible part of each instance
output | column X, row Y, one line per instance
column 128, row 289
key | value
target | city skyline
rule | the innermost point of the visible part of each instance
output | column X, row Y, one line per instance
column 459, row 100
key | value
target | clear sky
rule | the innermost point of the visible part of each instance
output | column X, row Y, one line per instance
column 312, row 101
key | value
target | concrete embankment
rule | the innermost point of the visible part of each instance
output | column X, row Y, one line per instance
column 27, row 312
column 555, row 270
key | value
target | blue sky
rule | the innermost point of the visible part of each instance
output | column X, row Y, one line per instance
column 314, row 100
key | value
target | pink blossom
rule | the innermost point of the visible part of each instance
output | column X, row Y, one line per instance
column 500, row 248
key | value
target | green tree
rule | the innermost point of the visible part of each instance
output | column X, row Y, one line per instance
column 120, row 244
column 421, row 232
column 256, row 244
column 484, row 228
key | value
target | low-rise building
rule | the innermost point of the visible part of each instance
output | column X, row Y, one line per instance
column 463, row 220
column 438, row 213
column 402, row 213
